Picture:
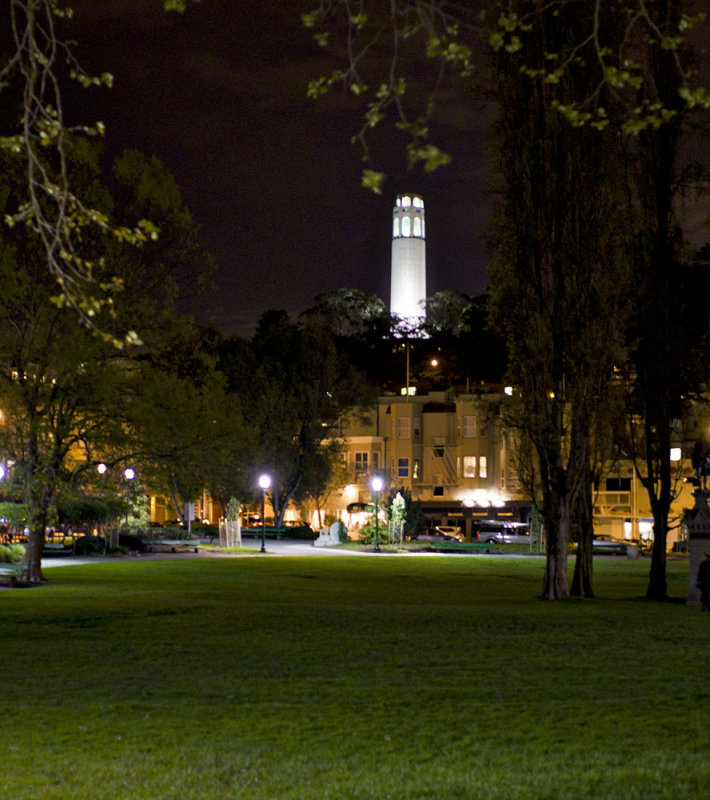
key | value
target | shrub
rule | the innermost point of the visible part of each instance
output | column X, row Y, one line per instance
column 89, row 545
column 205, row 529
column 130, row 542
column 12, row 553
column 304, row 532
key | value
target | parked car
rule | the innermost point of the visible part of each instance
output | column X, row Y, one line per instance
column 450, row 530
column 608, row 545
column 505, row 533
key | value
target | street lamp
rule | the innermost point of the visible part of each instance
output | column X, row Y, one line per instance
column 129, row 474
column 377, row 485
column 264, row 482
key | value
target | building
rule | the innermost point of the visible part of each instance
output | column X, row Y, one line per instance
column 408, row 268
column 449, row 449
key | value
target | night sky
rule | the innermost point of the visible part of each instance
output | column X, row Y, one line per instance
column 219, row 94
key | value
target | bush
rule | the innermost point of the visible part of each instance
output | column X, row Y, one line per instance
column 12, row 553
column 131, row 543
column 150, row 534
column 89, row 545
column 205, row 529
column 302, row 532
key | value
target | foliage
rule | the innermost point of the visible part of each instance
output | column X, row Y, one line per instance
column 410, row 515
column 81, row 510
column 89, row 545
column 293, row 388
column 50, row 207
column 13, row 553
column 233, row 509
column 16, row 514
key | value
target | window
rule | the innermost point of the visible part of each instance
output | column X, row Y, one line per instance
column 438, row 491
column 402, row 467
column 618, row 484
column 417, row 429
column 417, row 226
column 395, row 229
column 483, row 467
column 375, row 461
column 403, row 427
column 438, row 452
column 416, row 469
column 406, row 201
column 469, row 426
column 406, row 226
column 361, row 460
column 469, row 466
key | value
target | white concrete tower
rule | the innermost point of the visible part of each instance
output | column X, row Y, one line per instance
column 408, row 287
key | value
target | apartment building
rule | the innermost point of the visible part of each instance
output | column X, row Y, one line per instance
column 449, row 449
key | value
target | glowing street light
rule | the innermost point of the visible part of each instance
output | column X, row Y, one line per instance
column 376, row 483
column 264, row 482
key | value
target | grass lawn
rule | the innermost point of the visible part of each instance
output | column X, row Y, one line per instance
column 373, row 677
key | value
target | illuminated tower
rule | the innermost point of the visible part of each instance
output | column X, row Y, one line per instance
column 408, row 288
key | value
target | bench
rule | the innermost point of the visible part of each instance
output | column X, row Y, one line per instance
column 269, row 532
column 10, row 573
column 55, row 547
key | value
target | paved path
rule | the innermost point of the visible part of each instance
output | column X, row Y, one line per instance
column 282, row 547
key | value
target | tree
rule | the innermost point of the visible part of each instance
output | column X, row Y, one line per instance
column 346, row 312
column 188, row 430
column 67, row 392
column 59, row 389
column 557, row 250
column 294, row 388
column 623, row 70
column 36, row 135
column 401, row 510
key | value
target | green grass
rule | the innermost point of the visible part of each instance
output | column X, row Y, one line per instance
column 373, row 677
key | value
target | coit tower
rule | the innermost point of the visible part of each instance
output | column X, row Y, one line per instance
column 408, row 288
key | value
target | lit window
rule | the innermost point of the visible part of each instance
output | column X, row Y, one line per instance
column 418, row 202
column 395, row 230
column 469, row 466
column 417, row 226
column 483, row 467
column 406, row 201
column 402, row 467
column 416, row 469
column 406, row 226
column 423, row 236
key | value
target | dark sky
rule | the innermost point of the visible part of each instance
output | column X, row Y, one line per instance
column 219, row 94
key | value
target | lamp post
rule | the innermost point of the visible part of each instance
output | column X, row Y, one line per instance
column 129, row 474
column 376, row 485
column 264, row 482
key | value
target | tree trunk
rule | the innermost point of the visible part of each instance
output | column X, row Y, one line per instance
column 583, row 564
column 657, row 585
column 556, row 582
